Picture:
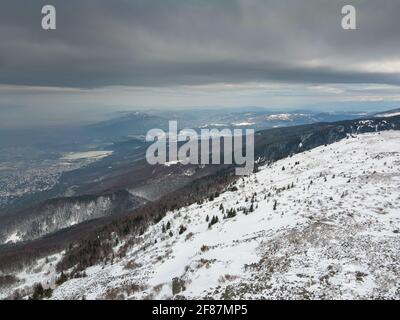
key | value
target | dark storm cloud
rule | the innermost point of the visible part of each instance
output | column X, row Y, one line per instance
column 167, row 42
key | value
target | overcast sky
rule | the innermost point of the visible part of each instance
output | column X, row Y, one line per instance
column 122, row 54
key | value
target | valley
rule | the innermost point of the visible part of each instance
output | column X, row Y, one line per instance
column 322, row 224
column 100, row 215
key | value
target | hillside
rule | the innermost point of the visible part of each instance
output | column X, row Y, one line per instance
column 57, row 214
column 322, row 224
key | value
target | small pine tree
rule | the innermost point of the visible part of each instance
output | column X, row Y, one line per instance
column 275, row 204
column 38, row 292
column 182, row 229
column 213, row 221
column 61, row 279
column 231, row 213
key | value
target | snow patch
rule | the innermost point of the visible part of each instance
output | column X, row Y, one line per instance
column 72, row 156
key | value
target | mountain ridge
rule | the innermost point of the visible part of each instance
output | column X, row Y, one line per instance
column 303, row 227
column 271, row 145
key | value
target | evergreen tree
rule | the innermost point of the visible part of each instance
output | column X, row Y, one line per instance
column 38, row 292
column 213, row 221
column 231, row 213
column 182, row 229
column 61, row 279
column 275, row 204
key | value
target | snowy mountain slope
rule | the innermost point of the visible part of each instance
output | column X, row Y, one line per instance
column 388, row 114
column 323, row 224
column 56, row 214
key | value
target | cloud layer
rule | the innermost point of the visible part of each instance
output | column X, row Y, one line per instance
column 191, row 42
column 137, row 54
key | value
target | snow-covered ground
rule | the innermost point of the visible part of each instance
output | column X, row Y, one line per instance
column 87, row 155
column 285, row 116
column 13, row 238
column 243, row 124
column 323, row 224
column 388, row 114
